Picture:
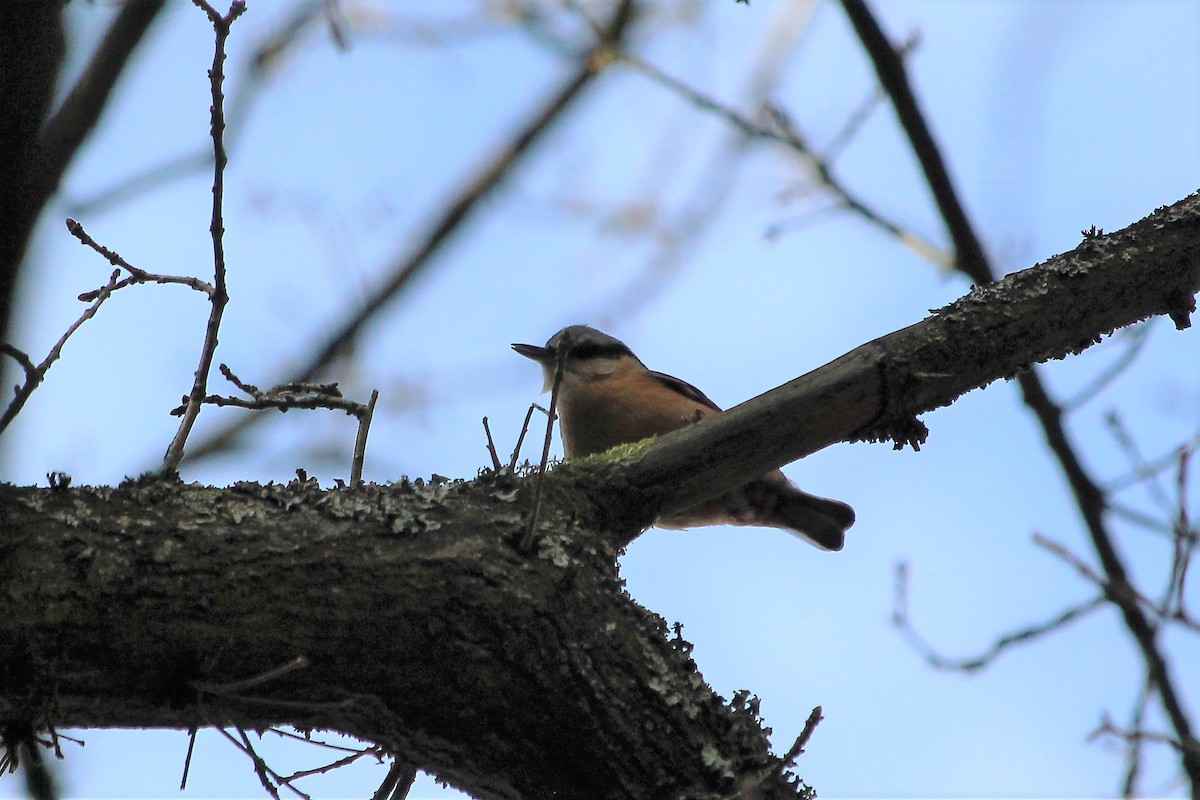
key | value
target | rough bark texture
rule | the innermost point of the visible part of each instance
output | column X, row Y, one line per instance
column 427, row 631
column 1055, row 309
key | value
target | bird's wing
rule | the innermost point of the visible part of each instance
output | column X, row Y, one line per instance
column 684, row 388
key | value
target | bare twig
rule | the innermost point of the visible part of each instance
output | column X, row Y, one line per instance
column 34, row 375
column 491, row 447
column 220, row 296
column 270, row 779
column 1146, row 477
column 749, row 788
column 783, row 131
column 810, row 725
column 360, row 439
column 306, row 396
column 1136, row 337
column 1120, row 594
column 1186, row 537
column 1133, row 747
column 490, row 177
column 187, row 760
column 859, row 116
column 1108, row 728
column 564, row 347
column 516, row 453
column 902, row 620
column 325, row 769
column 135, row 275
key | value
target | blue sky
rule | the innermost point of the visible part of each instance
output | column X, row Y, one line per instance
column 1054, row 116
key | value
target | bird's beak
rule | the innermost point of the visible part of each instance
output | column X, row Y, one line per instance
column 542, row 355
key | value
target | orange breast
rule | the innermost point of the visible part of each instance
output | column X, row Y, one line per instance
column 624, row 407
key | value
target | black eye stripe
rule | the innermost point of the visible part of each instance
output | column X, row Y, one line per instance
column 586, row 350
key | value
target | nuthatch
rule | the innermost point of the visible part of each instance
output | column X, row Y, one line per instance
column 608, row 397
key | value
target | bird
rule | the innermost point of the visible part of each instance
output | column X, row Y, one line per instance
column 607, row 397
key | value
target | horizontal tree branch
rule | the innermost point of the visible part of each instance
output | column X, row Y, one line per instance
column 418, row 624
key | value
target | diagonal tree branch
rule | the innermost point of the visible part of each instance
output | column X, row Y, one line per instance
column 1057, row 308
column 74, row 120
column 38, row 150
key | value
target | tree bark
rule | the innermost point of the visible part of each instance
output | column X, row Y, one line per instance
column 423, row 627
column 426, row 630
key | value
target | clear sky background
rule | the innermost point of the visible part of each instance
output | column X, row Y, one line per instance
column 1054, row 116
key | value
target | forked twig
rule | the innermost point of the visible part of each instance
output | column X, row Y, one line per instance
column 34, row 375
column 306, row 396
column 902, row 620
column 220, row 295
column 136, row 275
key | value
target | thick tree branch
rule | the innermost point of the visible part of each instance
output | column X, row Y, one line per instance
column 36, row 155
column 1057, row 308
column 422, row 626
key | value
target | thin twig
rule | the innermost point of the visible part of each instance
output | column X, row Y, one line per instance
column 491, row 447
column 783, row 131
column 902, row 620
column 1121, row 594
column 797, row 748
column 516, row 453
column 1137, row 337
column 360, row 439
column 1107, row 728
column 35, row 375
column 325, row 769
column 560, row 363
column 220, row 294
column 187, row 760
column 136, row 275
column 1146, row 477
column 1186, row 537
column 266, row 775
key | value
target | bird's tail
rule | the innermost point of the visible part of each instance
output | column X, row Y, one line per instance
column 817, row 519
